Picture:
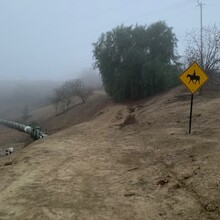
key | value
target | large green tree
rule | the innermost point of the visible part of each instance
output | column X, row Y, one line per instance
column 138, row 61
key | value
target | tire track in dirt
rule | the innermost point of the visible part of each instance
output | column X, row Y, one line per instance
column 173, row 175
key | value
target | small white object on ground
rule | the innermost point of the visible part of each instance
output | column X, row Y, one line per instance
column 9, row 150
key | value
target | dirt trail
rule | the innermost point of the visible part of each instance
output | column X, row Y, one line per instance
column 129, row 162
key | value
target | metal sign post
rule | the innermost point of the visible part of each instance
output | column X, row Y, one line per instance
column 190, row 117
column 193, row 78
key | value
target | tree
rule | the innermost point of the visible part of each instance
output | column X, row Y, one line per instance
column 55, row 102
column 73, row 88
column 127, row 59
column 78, row 89
column 64, row 95
column 210, row 51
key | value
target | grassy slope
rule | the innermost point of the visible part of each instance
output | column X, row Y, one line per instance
column 133, row 161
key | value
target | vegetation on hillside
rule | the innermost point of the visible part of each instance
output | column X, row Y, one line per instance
column 65, row 94
column 210, row 50
column 135, row 62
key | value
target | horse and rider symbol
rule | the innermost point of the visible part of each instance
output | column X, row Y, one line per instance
column 193, row 78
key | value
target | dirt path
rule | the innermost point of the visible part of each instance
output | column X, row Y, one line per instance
column 134, row 162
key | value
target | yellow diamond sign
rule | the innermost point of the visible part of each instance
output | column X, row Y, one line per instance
column 193, row 77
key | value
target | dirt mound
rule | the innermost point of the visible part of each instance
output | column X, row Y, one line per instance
column 133, row 161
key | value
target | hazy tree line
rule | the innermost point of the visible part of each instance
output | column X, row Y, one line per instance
column 134, row 62
column 67, row 94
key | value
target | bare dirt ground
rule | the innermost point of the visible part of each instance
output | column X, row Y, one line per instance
column 12, row 138
column 132, row 161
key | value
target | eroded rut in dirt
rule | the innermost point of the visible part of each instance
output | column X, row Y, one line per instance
column 174, row 183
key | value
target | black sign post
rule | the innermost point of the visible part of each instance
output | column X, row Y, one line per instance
column 193, row 78
column 190, row 117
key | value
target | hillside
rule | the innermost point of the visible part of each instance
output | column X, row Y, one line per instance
column 52, row 123
column 131, row 161
column 78, row 113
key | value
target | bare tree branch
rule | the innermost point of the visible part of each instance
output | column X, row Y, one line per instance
column 211, row 48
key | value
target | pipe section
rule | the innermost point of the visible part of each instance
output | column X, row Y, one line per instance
column 34, row 132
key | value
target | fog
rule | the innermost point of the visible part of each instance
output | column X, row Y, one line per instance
column 15, row 95
column 44, row 43
column 18, row 94
column 52, row 39
column 91, row 78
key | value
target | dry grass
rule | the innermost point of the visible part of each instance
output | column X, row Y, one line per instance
column 133, row 161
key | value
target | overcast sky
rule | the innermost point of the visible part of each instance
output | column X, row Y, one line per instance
column 51, row 39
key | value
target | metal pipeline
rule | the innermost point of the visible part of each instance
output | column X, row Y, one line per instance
column 35, row 132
